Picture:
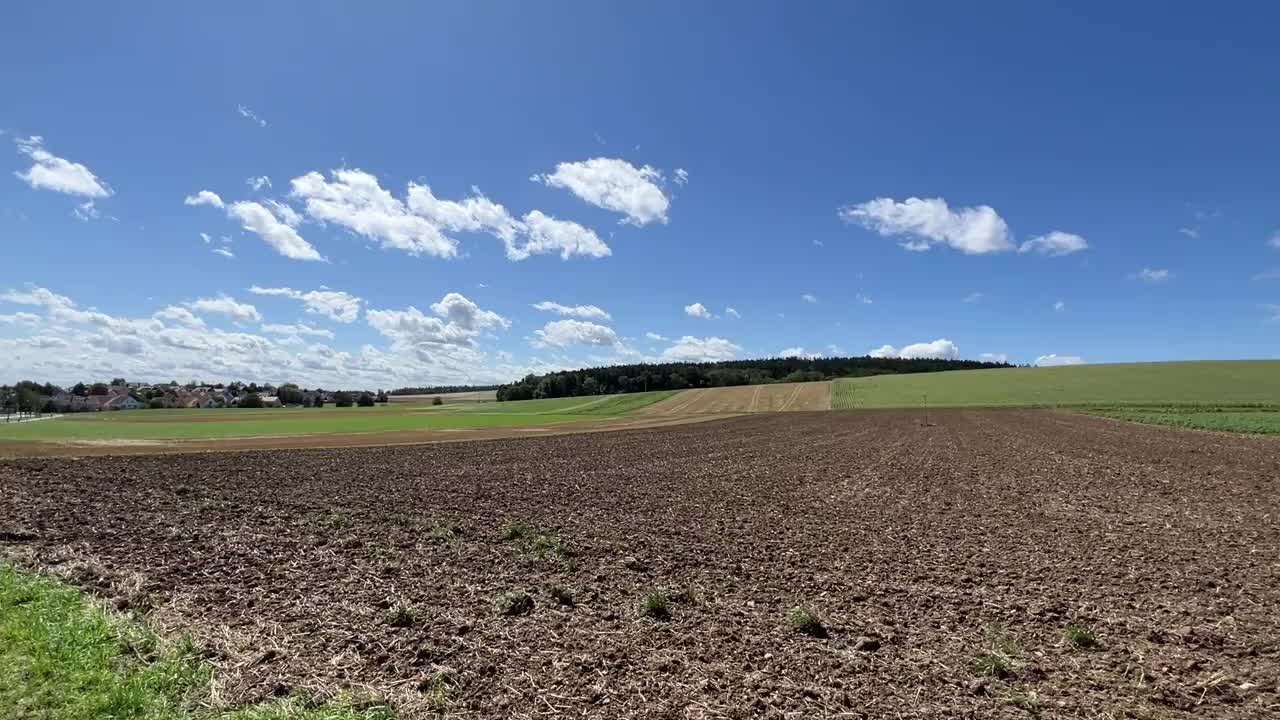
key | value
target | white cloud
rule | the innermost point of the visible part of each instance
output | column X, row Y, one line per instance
column 20, row 318
column 798, row 352
column 466, row 314
column 285, row 212
column 994, row 357
column 1274, row 241
column 809, row 298
column 941, row 349
column 864, row 299
column 224, row 305
column 86, row 211
column 179, row 315
column 698, row 310
column 582, row 311
column 1059, row 306
column 1150, row 275
column 613, row 184
column 223, row 252
column 731, row 312
column 1191, row 232
column 337, row 305
column 356, row 201
column 251, row 115
column 259, row 182
column 204, row 197
column 285, row 240
column 925, row 222
column 457, row 324
column 1053, row 360
column 50, row 172
column 563, row 333
column 295, row 334
column 682, row 176
column 1055, row 243
column 546, row 234
column 655, row 337
column 205, row 237
column 473, row 214
column 694, row 349
column 972, row 297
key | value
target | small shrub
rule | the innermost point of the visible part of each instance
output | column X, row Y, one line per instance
column 515, row 603
column 1003, row 659
column 1079, row 636
column 437, row 401
column 807, row 621
column 562, row 595
column 1029, row 702
column 545, row 546
column 657, row 606
column 514, row 532
column 442, row 532
column 402, row 617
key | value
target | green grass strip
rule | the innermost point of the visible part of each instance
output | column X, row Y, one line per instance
column 63, row 659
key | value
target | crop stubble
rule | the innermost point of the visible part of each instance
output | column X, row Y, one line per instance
column 923, row 538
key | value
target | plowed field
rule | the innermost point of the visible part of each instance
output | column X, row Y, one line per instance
column 946, row 562
column 783, row 397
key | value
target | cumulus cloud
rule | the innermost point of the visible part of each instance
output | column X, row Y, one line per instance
column 251, row 116
column 681, row 176
column 285, row 240
column 1152, row 275
column 1053, row 360
column 295, row 334
column 204, row 197
column 20, row 318
column 940, row 349
column 655, row 337
column 613, row 184
column 994, row 357
column 50, row 172
column 419, row 225
column 336, row 305
column 1055, row 243
column 456, row 323
column 731, row 312
column 178, row 315
column 563, row 333
column 698, row 310
column 922, row 223
column 695, row 349
column 258, row 182
column 224, row 305
column 582, row 311
column 545, row 234
column 798, row 352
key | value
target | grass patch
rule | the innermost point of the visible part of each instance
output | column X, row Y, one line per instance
column 657, row 605
column 402, row 616
column 63, row 659
column 549, row 546
column 1258, row 421
column 514, row 532
column 443, row 532
column 515, row 603
column 1080, row 637
column 1003, row 657
column 562, row 595
column 807, row 621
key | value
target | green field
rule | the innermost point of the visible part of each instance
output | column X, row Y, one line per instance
column 234, row 422
column 1262, row 422
column 1216, row 384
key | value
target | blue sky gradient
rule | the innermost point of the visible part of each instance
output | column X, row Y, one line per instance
column 1146, row 131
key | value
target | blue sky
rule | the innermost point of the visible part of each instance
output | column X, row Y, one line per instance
column 1010, row 179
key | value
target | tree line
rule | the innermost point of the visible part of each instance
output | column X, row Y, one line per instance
column 441, row 389
column 615, row 379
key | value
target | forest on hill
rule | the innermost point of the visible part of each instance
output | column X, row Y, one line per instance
column 642, row 377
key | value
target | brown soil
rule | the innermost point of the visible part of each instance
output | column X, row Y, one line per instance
column 783, row 397
column 921, row 548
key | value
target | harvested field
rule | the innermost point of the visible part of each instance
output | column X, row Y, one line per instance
column 782, row 397
column 991, row 565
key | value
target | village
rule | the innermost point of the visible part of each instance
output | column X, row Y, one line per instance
column 119, row 394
